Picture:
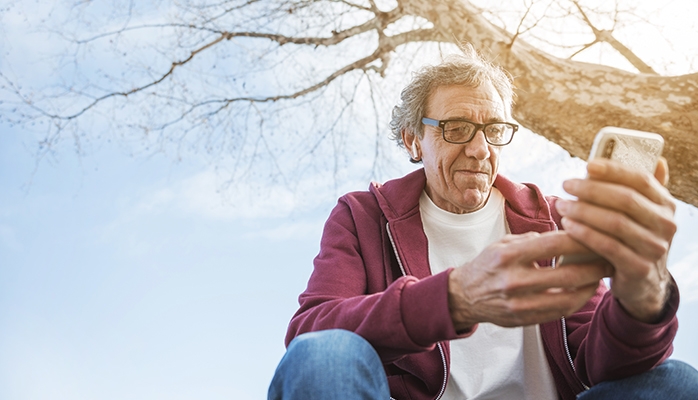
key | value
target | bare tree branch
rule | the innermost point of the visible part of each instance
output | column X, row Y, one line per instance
column 388, row 44
column 296, row 53
column 607, row 37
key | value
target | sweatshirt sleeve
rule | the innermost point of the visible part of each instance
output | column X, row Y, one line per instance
column 350, row 289
column 608, row 344
column 613, row 345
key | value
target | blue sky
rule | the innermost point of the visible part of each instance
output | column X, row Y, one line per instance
column 116, row 283
column 142, row 277
column 109, row 291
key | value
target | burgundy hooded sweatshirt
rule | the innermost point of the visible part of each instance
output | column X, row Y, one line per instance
column 372, row 277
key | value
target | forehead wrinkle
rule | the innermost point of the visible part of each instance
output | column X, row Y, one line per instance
column 481, row 104
column 472, row 114
column 487, row 121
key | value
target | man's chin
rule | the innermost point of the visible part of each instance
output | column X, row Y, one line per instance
column 472, row 200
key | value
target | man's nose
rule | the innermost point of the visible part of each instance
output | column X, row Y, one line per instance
column 478, row 147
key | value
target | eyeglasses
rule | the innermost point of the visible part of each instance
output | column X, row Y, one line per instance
column 459, row 131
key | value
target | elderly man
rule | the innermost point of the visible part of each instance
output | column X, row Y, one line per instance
column 443, row 284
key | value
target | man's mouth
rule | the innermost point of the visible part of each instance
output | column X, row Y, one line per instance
column 473, row 171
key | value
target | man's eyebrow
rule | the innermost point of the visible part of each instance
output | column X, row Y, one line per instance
column 488, row 120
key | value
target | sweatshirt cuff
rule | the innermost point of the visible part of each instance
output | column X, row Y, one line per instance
column 426, row 316
column 637, row 333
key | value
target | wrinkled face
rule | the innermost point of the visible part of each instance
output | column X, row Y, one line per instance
column 460, row 176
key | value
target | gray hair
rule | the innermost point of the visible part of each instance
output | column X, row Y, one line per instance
column 469, row 69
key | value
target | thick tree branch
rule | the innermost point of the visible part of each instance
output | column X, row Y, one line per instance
column 568, row 101
column 564, row 100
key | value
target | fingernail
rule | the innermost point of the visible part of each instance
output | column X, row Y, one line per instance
column 562, row 206
column 567, row 223
column 596, row 167
column 569, row 184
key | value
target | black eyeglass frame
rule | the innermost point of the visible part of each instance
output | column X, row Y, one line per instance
column 478, row 128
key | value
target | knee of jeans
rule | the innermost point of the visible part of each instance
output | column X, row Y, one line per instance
column 336, row 345
column 679, row 371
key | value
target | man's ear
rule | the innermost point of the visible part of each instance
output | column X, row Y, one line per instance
column 410, row 142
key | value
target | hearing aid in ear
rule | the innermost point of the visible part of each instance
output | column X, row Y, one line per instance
column 414, row 149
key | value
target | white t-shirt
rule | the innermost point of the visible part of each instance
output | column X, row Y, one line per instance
column 495, row 362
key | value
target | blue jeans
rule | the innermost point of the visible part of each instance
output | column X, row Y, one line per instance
column 333, row 364
column 671, row 380
column 338, row 364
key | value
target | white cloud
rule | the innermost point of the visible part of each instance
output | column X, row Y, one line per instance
column 290, row 230
column 685, row 272
column 684, row 250
column 205, row 195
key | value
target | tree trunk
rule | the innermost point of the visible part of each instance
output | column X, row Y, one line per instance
column 568, row 101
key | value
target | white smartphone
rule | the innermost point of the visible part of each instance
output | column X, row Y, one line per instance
column 638, row 149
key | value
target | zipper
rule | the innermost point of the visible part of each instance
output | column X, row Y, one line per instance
column 567, row 351
column 392, row 243
column 564, row 333
column 443, row 361
column 441, row 350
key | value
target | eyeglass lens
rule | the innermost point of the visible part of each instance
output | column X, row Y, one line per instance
column 462, row 131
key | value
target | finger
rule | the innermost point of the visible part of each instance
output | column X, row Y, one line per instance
column 661, row 173
column 537, row 308
column 608, row 247
column 647, row 242
column 622, row 199
column 577, row 258
column 529, row 248
column 644, row 183
column 510, row 238
column 570, row 278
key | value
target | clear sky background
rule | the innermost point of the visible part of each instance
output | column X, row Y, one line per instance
column 137, row 277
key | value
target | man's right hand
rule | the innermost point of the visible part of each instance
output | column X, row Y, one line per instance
column 504, row 285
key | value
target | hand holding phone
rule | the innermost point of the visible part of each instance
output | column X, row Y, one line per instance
column 637, row 149
column 626, row 216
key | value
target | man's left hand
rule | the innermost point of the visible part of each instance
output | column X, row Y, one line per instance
column 627, row 217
